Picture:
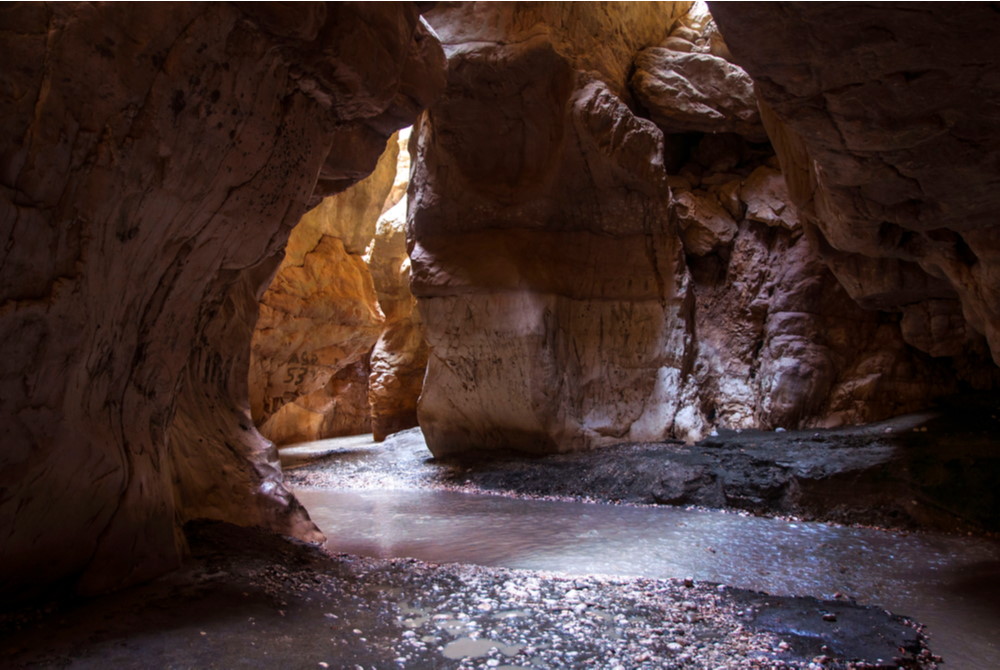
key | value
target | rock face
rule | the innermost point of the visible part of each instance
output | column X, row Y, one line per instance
column 399, row 359
column 587, row 277
column 320, row 317
column 535, row 184
column 153, row 160
column 696, row 92
column 339, row 347
column 885, row 122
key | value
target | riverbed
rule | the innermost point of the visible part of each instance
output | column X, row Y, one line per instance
column 951, row 583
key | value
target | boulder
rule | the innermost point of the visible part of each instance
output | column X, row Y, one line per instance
column 698, row 92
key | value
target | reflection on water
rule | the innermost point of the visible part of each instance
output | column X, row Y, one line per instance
column 950, row 583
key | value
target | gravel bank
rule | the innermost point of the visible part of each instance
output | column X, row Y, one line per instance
column 247, row 599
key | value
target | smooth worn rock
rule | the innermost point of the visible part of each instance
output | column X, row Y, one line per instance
column 320, row 315
column 399, row 358
column 153, row 159
column 884, row 120
column 534, row 183
column 339, row 407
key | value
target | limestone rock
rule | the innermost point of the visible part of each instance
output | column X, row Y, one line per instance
column 320, row 314
column 776, row 342
column 340, row 407
column 575, row 295
column 153, row 159
column 399, row 358
column 766, row 198
column 884, row 123
column 704, row 222
column 696, row 92
column 535, row 185
column 595, row 37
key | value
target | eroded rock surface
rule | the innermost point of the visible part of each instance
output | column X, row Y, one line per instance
column 320, row 317
column 535, row 185
column 696, row 92
column 153, row 160
column 884, row 119
column 587, row 278
column 399, row 358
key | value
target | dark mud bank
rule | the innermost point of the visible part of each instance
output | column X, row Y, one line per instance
column 935, row 471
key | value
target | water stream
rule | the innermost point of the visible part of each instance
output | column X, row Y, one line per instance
column 950, row 583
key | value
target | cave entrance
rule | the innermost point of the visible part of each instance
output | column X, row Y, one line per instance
column 338, row 349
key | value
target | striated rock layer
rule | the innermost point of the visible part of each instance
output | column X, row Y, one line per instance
column 153, row 158
column 884, row 117
column 588, row 277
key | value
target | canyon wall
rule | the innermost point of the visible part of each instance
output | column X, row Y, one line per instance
column 534, row 187
column 153, row 160
column 319, row 319
column 884, row 117
column 604, row 247
column 339, row 348
column 399, row 359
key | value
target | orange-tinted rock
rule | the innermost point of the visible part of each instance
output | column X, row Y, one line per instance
column 338, row 408
column 399, row 359
column 154, row 158
column 320, row 315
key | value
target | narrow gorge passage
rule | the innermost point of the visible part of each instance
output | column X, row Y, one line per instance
column 733, row 256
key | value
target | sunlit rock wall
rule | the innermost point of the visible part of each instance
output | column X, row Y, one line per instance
column 884, row 117
column 339, row 348
column 153, row 159
column 320, row 317
column 543, row 257
column 399, row 359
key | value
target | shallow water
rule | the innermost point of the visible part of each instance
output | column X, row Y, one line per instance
column 952, row 584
